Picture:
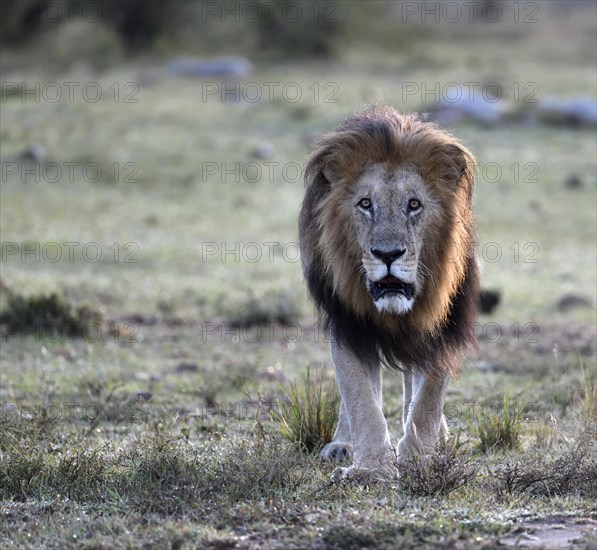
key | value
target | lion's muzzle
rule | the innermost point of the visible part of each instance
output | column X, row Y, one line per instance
column 391, row 285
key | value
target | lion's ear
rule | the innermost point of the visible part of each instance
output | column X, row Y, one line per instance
column 321, row 165
column 327, row 165
column 462, row 165
column 463, row 159
column 330, row 172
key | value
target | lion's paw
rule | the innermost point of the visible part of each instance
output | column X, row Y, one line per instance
column 412, row 452
column 336, row 452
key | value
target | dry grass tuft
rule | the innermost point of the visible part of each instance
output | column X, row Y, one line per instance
column 449, row 468
column 572, row 473
column 499, row 429
column 309, row 416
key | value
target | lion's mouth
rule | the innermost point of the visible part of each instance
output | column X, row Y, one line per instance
column 391, row 285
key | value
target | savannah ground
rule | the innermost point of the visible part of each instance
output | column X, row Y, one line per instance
column 158, row 432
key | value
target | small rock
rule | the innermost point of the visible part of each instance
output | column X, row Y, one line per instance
column 568, row 112
column 573, row 182
column 218, row 66
column 301, row 112
column 187, row 367
column 569, row 302
column 140, row 319
column 263, row 151
column 174, row 321
column 35, row 153
column 476, row 108
column 536, row 207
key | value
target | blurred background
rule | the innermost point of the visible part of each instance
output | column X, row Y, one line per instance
column 151, row 159
column 152, row 155
column 172, row 134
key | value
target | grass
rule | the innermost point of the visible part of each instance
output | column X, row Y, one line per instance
column 449, row 468
column 148, row 437
column 499, row 429
column 588, row 397
column 264, row 308
column 573, row 472
column 50, row 316
column 309, row 414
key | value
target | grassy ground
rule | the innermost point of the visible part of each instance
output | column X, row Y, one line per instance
column 158, row 434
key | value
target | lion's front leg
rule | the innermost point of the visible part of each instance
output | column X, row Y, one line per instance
column 423, row 415
column 360, row 389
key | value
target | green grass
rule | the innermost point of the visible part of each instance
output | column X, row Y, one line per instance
column 309, row 413
column 498, row 429
column 149, row 436
column 49, row 316
column 587, row 398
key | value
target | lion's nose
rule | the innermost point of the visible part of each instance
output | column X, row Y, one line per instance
column 388, row 256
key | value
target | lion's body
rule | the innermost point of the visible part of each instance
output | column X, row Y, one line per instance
column 386, row 235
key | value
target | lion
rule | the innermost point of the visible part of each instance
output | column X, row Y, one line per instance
column 386, row 234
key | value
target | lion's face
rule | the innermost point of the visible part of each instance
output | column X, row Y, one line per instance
column 392, row 210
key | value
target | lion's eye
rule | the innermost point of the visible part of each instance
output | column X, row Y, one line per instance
column 414, row 204
column 365, row 203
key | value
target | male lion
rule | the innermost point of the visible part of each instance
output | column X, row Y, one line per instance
column 386, row 238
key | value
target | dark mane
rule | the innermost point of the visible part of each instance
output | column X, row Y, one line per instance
column 431, row 338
